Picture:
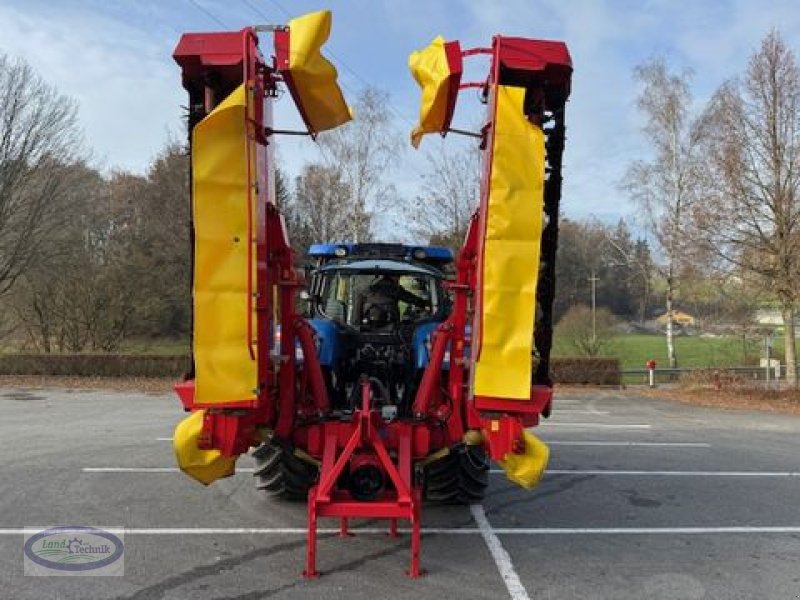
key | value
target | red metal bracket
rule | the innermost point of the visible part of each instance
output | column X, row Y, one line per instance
column 474, row 51
column 502, row 435
column 403, row 502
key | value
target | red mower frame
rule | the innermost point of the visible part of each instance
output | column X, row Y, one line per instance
column 292, row 402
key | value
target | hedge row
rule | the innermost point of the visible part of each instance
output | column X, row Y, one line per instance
column 586, row 370
column 94, row 365
column 578, row 370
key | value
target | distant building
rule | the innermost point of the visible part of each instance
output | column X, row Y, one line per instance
column 679, row 317
column 769, row 316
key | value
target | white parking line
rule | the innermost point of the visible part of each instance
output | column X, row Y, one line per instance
column 136, row 470
column 598, row 443
column 603, row 472
column 547, row 424
column 440, row 530
column 667, row 473
column 643, row 444
column 592, row 406
column 642, row 530
column 501, row 557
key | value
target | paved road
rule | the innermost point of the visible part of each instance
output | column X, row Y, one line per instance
column 645, row 499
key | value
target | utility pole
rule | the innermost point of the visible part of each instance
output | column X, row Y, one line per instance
column 593, row 280
column 768, row 351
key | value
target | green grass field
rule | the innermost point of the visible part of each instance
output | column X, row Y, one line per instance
column 632, row 349
column 692, row 351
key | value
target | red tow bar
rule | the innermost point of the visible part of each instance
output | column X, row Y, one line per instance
column 404, row 501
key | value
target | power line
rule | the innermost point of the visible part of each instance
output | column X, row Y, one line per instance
column 263, row 15
column 280, row 7
column 256, row 10
column 208, row 13
column 334, row 56
column 347, row 67
column 409, row 164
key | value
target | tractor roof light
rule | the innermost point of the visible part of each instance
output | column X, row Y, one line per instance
column 419, row 254
column 340, row 251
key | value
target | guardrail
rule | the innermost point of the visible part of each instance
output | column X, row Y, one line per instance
column 670, row 375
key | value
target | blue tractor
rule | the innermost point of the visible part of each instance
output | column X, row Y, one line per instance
column 375, row 307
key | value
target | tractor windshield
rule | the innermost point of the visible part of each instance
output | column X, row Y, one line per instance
column 376, row 300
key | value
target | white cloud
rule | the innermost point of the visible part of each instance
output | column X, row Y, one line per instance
column 115, row 59
column 127, row 91
column 600, row 128
column 606, row 39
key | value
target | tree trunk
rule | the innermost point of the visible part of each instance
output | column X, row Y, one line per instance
column 673, row 360
column 645, row 301
column 744, row 348
column 42, row 326
column 789, row 345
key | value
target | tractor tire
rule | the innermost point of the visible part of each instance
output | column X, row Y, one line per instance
column 460, row 477
column 280, row 474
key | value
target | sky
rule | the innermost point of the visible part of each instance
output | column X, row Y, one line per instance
column 114, row 58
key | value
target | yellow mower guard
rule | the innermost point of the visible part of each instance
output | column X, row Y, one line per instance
column 224, row 267
column 206, row 466
column 526, row 469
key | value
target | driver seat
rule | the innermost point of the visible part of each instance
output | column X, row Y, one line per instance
column 377, row 310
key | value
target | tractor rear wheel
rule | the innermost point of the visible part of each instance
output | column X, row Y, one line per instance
column 281, row 474
column 460, row 477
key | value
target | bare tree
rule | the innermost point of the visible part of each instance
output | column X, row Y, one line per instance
column 740, row 300
column 84, row 295
column 283, row 193
column 588, row 333
column 750, row 214
column 363, row 152
column 449, row 196
column 634, row 266
column 39, row 141
column 157, row 247
column 664, row 187
column 118, row 267
column 579, row 258
column 319, row 209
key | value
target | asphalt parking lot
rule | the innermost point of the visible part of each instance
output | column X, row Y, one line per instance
column 643, row 499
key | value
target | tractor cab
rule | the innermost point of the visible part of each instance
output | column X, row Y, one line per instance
column 374, row 308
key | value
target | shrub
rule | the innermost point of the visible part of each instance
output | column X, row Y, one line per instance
column 94, row 365
column 712, row 379
column 586, row 370
column 586, row 335
column 578, row 370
